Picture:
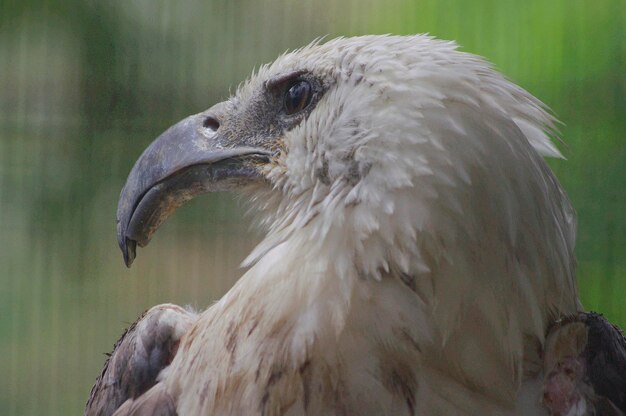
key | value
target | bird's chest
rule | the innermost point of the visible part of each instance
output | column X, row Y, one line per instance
column 312, row 361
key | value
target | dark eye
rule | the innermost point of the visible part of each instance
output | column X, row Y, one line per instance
column 297, row 97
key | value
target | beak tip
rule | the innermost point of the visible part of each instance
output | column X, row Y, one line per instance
column 129, row 252
column 127, row 245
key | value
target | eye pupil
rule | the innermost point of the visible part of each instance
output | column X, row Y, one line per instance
column 297, row 97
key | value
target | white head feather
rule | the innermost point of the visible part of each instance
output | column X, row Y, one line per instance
column 415, row 151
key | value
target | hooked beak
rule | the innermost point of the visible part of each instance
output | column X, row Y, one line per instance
column 186, row 160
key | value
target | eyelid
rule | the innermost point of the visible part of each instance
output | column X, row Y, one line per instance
column 279, row 80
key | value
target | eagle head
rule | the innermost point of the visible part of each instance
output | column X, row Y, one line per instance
column 402, row 153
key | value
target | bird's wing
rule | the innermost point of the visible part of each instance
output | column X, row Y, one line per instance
column 146, row 347
column 155, row 402
column 585, row 367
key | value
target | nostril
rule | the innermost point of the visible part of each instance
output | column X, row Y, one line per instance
column 211, row 123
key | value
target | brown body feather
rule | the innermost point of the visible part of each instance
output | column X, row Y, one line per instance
column 145, row 348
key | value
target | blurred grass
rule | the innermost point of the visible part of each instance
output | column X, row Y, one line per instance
column 85, row 86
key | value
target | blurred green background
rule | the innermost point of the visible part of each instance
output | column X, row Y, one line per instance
column 86, row 85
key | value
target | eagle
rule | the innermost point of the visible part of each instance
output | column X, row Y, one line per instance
column 418, row 256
